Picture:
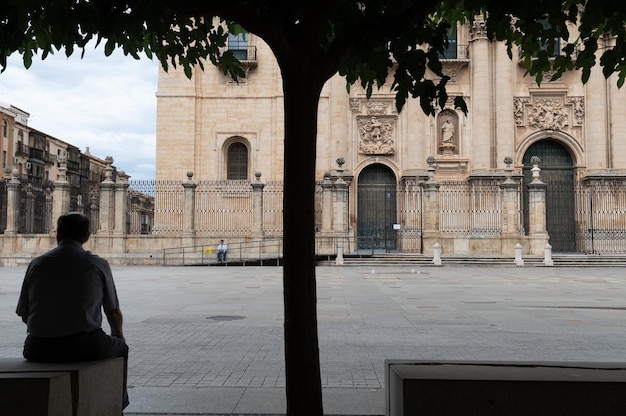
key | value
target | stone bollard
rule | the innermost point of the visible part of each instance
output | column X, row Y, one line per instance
column 547, row 258
column 519, row 261
column 437, row 254
column 339, row 258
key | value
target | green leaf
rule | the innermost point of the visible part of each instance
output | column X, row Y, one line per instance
column 459, row 102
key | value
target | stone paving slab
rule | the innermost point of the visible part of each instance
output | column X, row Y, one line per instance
column 209, row 340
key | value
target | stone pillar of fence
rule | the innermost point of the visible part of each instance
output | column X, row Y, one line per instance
column 327, row 204
column 537, row 211
column 121, row 203
column 430, row 230
column 189, row 210
column 60, row 195
column 510, row 203
column 107, row 199
column 341, row 232
column 13, row 204
column 257, row 206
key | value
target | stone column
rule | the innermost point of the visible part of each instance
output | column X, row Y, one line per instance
column 503, row 100
column 617, row 121
column 60, row 195
column 107, row 199
column 510, row 203
column 597, row 120
column 537, row 211
column 481, row 97
column 13, row 204
column 430, row 227
column 121, row 203
column 257, row 206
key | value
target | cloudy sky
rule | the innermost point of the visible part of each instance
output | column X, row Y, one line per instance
column 105, row 103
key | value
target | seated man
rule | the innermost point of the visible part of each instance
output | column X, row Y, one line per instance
column 222, row 248
column 61, row 302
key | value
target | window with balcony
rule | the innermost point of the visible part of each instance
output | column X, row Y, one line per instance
column 237, row 162
column 551, row 50
column 238, row 45
column 452, row 50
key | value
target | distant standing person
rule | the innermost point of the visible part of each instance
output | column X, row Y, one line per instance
column 222, row 248
column 61, row 302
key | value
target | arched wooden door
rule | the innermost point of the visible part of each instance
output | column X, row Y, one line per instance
column 376, row 208
column 557, row 171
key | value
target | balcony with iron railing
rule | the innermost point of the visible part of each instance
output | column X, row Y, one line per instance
column 22, row 150
column 49, row 158
column 455, row 52
column 36, row 154
column 246, row 55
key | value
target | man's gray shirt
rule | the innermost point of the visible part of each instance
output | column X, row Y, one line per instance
column 64, row 291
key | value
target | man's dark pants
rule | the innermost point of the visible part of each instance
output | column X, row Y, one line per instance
column 84, row 346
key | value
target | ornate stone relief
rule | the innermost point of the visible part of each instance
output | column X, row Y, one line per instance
column 376, row 107
column 451, row 67
column 553, row 112
column 579, row 109
column 519, row 104
column 479, row 30
column 548, row 114
column 355, row 104
column 376, row 135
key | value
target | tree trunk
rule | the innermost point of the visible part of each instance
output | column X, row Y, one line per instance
column 301, row 92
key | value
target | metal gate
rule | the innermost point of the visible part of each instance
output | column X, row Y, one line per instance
column 601, row 217
column 557, row 171
column 376, row 209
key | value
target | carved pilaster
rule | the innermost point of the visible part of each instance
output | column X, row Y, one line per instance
column 479, row 29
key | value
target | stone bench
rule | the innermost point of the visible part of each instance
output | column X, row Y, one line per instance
column 504, row 388
column 90, row 388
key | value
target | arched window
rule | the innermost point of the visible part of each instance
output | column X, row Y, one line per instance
column 237, row 162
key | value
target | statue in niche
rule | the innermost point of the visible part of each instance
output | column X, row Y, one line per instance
column 376, row 137
column 448, row 130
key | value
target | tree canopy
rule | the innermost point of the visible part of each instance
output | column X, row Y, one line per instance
column 363, row 40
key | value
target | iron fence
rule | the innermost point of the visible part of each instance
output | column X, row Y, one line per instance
column 225, row 208
column 600, row 217
column 35, row 208
column 3, row 206
column 470, row 209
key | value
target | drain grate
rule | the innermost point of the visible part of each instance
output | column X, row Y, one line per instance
column 222, row 318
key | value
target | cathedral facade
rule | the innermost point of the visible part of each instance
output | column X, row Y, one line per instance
column 528, row 164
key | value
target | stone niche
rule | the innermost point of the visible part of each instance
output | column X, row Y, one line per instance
column 448, row 133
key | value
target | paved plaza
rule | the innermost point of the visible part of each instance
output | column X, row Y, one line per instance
column 209, row 340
